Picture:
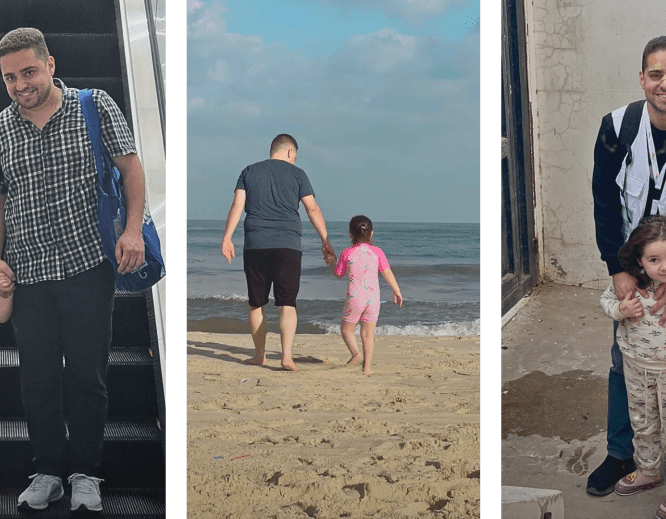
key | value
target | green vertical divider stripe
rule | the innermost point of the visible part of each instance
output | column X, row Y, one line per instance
column 490, row 260
column 176, row 238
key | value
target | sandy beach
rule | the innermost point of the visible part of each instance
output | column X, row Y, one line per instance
column 328, row 441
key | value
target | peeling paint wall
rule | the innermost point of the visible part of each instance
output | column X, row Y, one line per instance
column 584, row 58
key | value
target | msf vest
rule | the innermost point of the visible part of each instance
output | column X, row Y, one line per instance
column 638, row 164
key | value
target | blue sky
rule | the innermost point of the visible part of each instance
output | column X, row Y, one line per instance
column 381, row 95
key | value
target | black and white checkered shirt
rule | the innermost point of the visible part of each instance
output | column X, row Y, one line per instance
column 49, row 178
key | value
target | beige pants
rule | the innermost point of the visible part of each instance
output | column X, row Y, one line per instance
column 646, row 386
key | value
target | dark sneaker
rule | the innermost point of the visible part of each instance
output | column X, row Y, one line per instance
column 85, row 493
column 602, row 481
column 43, row 490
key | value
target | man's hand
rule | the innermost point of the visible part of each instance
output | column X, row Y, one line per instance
column 130, row 251
column 228, row 250
column 624, row 283
column 631, row 307
column 660, row 303
column 327, row 249
column 7, row 278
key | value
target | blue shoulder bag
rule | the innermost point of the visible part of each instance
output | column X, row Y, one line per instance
column 112, row 213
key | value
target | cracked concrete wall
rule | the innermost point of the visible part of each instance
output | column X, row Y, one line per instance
column 585, row 58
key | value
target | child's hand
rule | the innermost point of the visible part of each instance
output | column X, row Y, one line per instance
column 397, row 298
column 5, row 282
column 631, row 307
column 330, row 260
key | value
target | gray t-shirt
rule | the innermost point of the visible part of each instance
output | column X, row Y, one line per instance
column 273, row 190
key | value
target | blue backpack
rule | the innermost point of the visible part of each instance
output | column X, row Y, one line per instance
column 112, row 211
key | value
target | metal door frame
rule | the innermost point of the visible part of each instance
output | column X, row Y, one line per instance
column 519, row 244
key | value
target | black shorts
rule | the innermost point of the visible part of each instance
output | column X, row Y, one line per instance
column 279, row 267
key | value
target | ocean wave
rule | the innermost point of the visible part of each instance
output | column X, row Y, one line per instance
column 303, row 301
column 461, row 329
column 470, row 270
column 232, row 297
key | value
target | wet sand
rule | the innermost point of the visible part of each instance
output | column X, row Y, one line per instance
column 328, row 441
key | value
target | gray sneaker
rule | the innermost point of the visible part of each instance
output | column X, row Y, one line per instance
column 43, row 490
column 85, row 493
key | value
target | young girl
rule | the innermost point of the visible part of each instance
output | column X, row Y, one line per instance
column 643, row 344
column 362, row 262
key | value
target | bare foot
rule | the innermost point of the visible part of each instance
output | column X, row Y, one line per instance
column 289, row 365
column 255, row 362
column 368, row 371
column 356, row 358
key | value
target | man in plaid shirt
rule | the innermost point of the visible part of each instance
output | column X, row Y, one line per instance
column 64, row 285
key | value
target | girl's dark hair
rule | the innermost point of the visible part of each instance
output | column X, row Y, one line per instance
column 360, row 228
column 650, row 229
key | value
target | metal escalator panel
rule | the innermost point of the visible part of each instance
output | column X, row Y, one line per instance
column 145, row 99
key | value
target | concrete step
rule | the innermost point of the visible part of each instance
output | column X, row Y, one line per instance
column 531, row 503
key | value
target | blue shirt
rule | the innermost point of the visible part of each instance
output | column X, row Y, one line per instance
column 273, row 190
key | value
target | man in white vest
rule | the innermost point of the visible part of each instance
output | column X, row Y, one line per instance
column 627, row 185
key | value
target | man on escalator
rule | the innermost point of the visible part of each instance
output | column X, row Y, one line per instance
column 64, row 285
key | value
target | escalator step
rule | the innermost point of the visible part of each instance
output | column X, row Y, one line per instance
column 130, row 312
column 82, row 54
column 131, row 430
column 115, row 430
column 60, row 16
column 13, row 429
column 117, row 357
column 9, row 358
column 130, row 383
column 133, row 455
column 117, row 503
column 129, row 357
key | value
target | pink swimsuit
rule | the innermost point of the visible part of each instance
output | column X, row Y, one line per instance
column 362, row 263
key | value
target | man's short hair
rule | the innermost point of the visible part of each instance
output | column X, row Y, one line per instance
column 654, row 45
column 24, row 38
column 281, row 141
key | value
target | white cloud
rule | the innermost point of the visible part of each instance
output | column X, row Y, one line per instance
column 251, row 109
column 197, row 103
column 380, row 52
column 220, row 72
column 194, row 5
column 414, row 12
column 379, row 92
column 204, row 21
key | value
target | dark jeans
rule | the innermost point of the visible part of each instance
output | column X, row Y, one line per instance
column 69, row 318
column 620, row 433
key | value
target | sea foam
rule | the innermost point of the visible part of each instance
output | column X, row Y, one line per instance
column 460, row 329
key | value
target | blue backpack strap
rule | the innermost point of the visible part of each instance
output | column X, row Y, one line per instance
column 109, row 181
column 91, row 117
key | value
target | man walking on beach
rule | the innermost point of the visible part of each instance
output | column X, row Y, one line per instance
column 270, row 192
column 629, row 171
column 63, row 298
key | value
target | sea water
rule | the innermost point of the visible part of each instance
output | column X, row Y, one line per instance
column 436, row 266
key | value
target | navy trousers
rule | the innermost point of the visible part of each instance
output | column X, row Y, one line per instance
column 620, row 434
column 65, row 405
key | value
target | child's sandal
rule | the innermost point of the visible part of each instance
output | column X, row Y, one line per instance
column 661, row 511
column 637, row 482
